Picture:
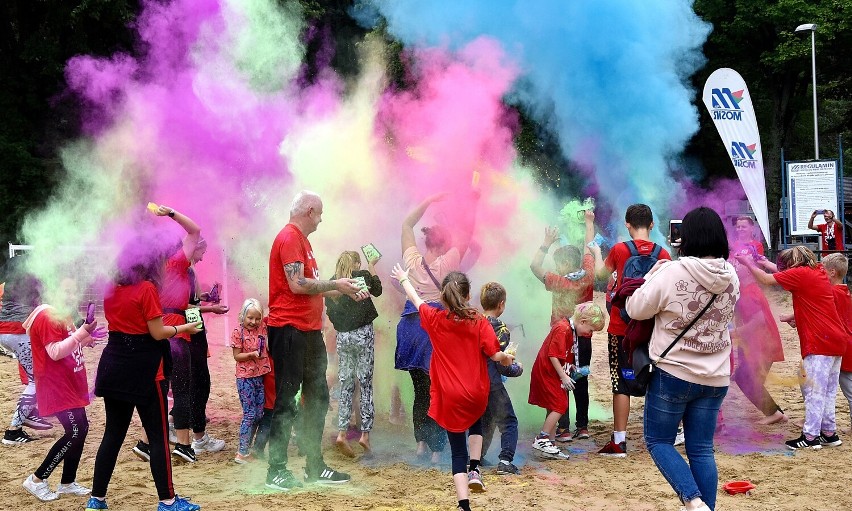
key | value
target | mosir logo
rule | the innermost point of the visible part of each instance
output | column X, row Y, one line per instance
column 742, row 155
column 726, row 104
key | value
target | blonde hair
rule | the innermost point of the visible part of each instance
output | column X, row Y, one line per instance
column 348, row 262
column 250, row 303
column 836, row 262
column 799, row 255
column 591, row 313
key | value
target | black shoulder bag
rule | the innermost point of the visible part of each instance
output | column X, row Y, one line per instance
column 643, row 366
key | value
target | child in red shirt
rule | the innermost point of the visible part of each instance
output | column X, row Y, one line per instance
column 822, row 335
column 248, row 342
column 62, row 391
column 461, row 338
column 836, row 265
column 549, row 378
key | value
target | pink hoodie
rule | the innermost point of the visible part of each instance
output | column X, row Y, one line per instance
column 673, row 295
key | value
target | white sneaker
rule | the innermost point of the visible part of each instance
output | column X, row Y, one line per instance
column 546, row 448
column 41, row 490
column 172, row 435
column 208, row 444
column 73, row 489
column 679, row 438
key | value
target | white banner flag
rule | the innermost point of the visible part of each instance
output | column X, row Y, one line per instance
column 729, row 103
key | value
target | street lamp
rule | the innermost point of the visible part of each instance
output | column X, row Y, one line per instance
column 811, row 27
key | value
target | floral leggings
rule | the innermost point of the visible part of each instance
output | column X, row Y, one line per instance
column 356, row 354
column 19, row 344
column 251, row 399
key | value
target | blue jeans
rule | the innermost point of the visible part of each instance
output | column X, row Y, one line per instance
column 669, row 401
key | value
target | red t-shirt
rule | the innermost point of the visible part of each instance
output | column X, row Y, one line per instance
column 615, row 262
column 175, row 290
column 62, row 383
column 304, row 312
column 820, row 330
column 128, row 308
column 843, row 303
column 830, row 230
column 460, row 383
column 567, row 292
column 545, row 385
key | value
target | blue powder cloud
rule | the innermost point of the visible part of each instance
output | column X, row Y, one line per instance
column 610, row 77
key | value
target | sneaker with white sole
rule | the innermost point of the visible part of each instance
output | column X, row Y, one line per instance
column 41, row 490
column 680, row 439
column 185, row 453
column 208, row 444
column 172, row 434
column 474, row 482
column 16, row 437
column 37, row 423
column 803, row 443
column 327, row 475
column 180, row 504
column 546, row 448
column 282, row 480
column 96, row 504
column 73, row 489
column 830, row 441
column 142, row 451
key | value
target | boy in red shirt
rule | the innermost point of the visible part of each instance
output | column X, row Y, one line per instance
column 639, row 221
column 549, row 378
column 836, row 265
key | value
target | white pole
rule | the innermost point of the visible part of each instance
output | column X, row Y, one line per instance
column 813, row 69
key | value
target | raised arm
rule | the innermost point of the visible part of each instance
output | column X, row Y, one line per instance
column 767, row 279
column 413, row 217
column 811, row 221
column 193, row 232
column 551, row 234
column 595, row 249
column 467, row 225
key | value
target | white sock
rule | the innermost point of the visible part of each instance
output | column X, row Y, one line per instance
column 619, row 436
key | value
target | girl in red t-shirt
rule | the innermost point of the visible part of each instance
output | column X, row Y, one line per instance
column 248, row 342
column 549, row 378
column 134, row 368
column 461, row 338
column 822, row 336
column 62, row 391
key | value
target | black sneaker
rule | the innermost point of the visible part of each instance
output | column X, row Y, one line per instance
column 142, row 451
column 505, row 468
column 830, row 441
column 803, row 443
column 327, row 476
column 185, row 452
column 16, row 437
column 283, row 480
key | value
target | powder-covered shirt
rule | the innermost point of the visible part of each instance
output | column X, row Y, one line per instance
column 62, row 383
column 569, row 290
column 440, row 267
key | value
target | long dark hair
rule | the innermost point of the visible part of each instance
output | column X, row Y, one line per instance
column 455, row 290
column 142, row 259
column 703, row 235
column 22, row 287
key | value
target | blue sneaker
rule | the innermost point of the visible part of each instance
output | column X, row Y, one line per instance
column 180, row 504
column 94, row 504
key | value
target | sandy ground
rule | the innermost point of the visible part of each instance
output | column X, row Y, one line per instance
column 389, row 481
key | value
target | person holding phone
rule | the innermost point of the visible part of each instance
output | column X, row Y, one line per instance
column 831, row 232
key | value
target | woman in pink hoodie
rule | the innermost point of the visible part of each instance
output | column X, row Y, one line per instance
column 692, row 379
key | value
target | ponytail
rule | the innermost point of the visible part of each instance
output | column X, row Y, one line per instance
column 455, row 290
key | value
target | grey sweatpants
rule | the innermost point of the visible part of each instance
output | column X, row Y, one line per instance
column 846, row 387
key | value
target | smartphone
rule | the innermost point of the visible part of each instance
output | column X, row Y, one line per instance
column 90, row 313
column 674, row 232
column 820, row 212
column 371, row 252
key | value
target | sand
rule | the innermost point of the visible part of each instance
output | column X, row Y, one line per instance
column 786, row 480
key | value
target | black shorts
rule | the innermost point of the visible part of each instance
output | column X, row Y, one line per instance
column 618, row 361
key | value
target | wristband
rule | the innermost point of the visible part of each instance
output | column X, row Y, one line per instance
column 172, row 214
column 403, row 280
column 176, row 332
column 544, row 249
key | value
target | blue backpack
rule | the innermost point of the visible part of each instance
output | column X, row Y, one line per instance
column 637, row 266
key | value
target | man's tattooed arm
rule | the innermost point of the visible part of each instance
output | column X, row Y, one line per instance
column 296, row 278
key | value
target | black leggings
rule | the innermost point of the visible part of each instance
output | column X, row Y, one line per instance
column 68, row 447
column 458, row 446
column 153, row 417
column 190, row 382
column 425, row 427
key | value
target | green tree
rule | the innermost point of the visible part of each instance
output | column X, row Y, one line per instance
column 756, row 38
